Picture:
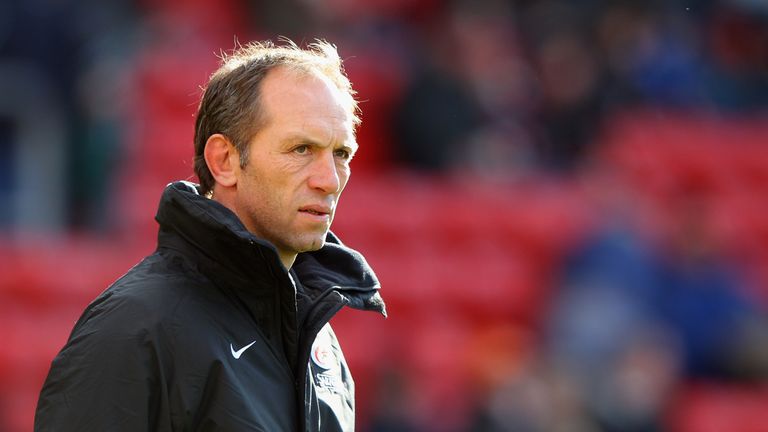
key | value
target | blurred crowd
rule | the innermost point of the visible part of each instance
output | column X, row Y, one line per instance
column 97, row 109
column 496, row 87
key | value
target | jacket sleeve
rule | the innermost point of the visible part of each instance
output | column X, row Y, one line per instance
column 108, row 377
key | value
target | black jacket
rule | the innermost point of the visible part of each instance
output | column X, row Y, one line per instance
column 212, row 333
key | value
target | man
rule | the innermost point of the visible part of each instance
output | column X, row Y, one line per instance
column 225, row 327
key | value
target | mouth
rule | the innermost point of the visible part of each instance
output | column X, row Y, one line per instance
column 316, row 211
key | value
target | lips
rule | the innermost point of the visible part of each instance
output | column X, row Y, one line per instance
column 316, row 210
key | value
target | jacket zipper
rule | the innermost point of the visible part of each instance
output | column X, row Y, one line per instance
column 315, row 326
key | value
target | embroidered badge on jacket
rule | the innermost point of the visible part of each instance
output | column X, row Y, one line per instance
column 327, row 367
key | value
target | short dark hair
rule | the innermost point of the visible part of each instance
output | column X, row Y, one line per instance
column 230, row 104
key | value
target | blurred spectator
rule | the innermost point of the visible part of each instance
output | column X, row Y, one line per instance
column 541, row 397
column 38, row 52
column 104, row 98
column 608, row 283
column 437, row 113
column 635, row 318
column 653, row 52
column 33, row 129
column 468, row 106
column 568, row 73
column 393, row 404
column 53, row 57
column 638, row 385
column 491, row 59
column 703, row 299
column 738, row 42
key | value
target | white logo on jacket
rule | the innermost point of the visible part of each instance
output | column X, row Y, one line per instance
column 326, row 366
column 238, row 353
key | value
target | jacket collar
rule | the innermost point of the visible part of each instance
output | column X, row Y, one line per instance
column 217, row 233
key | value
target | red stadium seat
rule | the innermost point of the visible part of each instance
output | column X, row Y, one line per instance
column 716, row 408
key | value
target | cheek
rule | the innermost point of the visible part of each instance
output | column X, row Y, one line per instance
column 290, row 165
column 344, row 173
column 262, row 195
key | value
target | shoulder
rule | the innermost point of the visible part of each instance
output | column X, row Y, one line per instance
column 152, row 297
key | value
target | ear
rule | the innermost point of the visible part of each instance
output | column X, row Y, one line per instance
column 222, row 159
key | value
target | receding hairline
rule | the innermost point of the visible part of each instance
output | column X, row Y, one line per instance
column 282, row 72
column 320, row 57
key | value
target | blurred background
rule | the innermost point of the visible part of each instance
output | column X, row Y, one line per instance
column 566, row 201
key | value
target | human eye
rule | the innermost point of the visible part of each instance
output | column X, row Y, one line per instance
column 301, row 149
column 342, row 153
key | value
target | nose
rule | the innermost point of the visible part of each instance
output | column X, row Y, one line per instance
column 325, row 175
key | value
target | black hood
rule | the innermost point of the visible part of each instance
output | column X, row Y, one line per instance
column 217, row 233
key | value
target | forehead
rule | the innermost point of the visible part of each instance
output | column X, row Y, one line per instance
column 305, row 101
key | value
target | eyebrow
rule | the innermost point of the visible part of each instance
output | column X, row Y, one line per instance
column 304, row 139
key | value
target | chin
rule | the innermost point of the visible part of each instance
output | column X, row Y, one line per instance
column 312, row 245
column 317, row 245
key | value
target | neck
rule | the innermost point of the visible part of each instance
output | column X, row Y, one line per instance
column 286, row 258
column 224, row 197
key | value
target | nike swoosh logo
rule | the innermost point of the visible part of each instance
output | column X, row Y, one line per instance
column 238, row 353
